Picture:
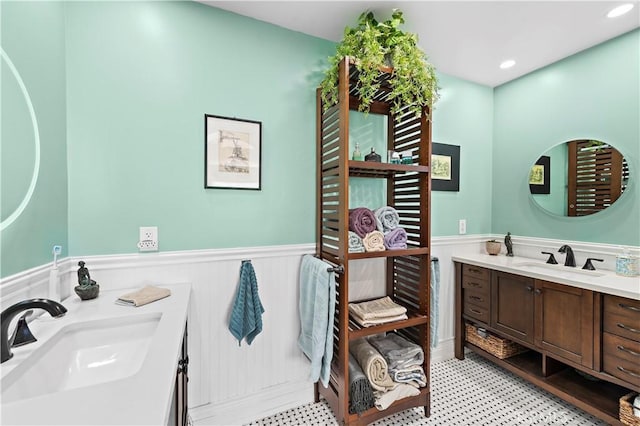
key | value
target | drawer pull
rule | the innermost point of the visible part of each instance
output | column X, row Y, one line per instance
column 472, row 284
column 631, row 308
column 529, row 288
column 474, row 270
column 629, row 351
column 476, row 298
column 475, row 312
column 633, row 330
column 631, row 373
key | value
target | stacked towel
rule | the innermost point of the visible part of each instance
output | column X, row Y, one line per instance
column 413, row 376
column 378, row 311
column 373, row 364
column 396, row 239
column 387, row 219
column 385, row 399
column 360, row 392
column 355, row 243
column 246, row 314
column 373, row 241
column 362, row 221
column 398, row 351
column 317, row 302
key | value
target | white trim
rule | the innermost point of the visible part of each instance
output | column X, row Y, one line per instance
column 443, row 351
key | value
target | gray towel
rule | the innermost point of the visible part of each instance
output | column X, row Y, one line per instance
column 360, row 392
column 398, row 351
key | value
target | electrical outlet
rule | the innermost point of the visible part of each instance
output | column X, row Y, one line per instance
column 462, row 226
column 148, row 240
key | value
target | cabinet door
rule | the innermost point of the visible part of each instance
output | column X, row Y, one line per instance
column 512, row 305
column 564, row 321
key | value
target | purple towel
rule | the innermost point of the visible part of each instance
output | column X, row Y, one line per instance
column 362, row 221
column 395, row 239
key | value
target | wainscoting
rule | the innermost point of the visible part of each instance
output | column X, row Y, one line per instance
column 235, row 384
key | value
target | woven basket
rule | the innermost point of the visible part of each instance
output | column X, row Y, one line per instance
column 497, row 346
column 626, row 410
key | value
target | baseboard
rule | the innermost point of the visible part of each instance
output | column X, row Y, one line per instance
column 249, row 408
column 443, row 351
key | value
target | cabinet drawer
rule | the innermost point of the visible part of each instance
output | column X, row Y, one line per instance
column 621, row 317
column 475, row 272
column 477, row 312
column 477, row 298
column 621, row 358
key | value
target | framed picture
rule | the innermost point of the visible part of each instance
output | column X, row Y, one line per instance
column 445, row 167
column 232, row 153
column 539, row 176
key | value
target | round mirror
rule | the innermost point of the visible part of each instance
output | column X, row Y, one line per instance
column 578, row 178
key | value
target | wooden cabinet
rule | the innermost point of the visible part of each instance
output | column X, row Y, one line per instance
column 512, row 305
column 408, row 190
column 569, row 331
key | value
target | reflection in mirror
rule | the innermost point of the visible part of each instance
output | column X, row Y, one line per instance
column 578, row 178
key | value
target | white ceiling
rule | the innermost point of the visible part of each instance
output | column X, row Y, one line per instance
column 466, row 39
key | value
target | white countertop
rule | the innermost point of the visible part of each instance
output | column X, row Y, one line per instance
column 603, row 281
column 141, row 399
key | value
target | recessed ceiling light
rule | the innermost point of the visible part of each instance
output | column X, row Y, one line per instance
column 620, row 10
column 507, row 64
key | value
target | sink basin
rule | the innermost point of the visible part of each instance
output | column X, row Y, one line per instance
column 83, row 354
column 558, row 270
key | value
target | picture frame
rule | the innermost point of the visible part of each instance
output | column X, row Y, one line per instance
column 445, row 167
column 540, row 176
column 232, row 153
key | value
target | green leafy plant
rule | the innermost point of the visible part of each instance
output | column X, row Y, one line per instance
column 376, row 44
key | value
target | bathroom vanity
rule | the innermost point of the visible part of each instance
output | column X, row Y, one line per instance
column 581, row 328
column 102, row 363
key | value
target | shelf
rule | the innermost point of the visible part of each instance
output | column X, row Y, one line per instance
column 356, row 330
column 598, row 398
column 421, row 251
column 382, row 170
column 374, row 414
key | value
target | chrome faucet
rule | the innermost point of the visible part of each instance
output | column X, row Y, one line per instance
column 55, row 309
column 570, row 260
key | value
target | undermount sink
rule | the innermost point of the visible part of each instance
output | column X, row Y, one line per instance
column 81, row 355
column 558, row 270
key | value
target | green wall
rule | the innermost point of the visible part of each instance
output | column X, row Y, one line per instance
column 592, row 95
column 32, row 36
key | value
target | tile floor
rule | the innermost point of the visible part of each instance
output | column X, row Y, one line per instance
column 469, row 392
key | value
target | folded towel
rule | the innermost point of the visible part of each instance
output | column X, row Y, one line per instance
column 378, row 308
column 317, row 306
column 387, row 219
column 411, row 375
column 396, row 239
column 362, row 221
column 373, row 241
column 372, row 363
column 360, row 392
column 355, row 243
column 143, row 296
column 376, row 321
column 398, row 351
column 246, row 314
column 385, row 399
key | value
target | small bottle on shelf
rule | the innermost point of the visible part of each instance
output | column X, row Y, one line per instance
column 357, row 155
column 373, row 156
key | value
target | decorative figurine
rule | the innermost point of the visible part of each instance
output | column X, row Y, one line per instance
column 87, row 288
column 509, row 244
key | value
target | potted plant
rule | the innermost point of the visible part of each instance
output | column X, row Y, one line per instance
column 374, row 45
column 493, row 247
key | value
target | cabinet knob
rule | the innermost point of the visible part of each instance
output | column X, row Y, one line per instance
column 537, row 291
column 529, row 288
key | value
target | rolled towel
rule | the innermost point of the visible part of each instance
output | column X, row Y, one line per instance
column 372, row 363
column 396, row 239
column 410, row 375
column 398, row 351
column 355, row 243
column 360, row 392
column 385, row 399
column 387, row 219
column 383, row 307
column 362, row 221
column 373, row 241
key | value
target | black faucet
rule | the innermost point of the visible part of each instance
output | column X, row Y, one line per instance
column 55, row 309
column 570, row 260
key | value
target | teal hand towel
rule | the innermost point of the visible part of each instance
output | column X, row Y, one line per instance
column 246, row 315
column 317, row 306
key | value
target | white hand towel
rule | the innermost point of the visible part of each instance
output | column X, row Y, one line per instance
column 143, row 296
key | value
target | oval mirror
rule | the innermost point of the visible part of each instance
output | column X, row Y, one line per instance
column 578, row 178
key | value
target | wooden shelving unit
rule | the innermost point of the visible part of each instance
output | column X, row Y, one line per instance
column 407, row 271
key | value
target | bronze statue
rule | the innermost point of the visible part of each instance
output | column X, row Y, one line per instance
column 509, row 244
column 86, row 288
